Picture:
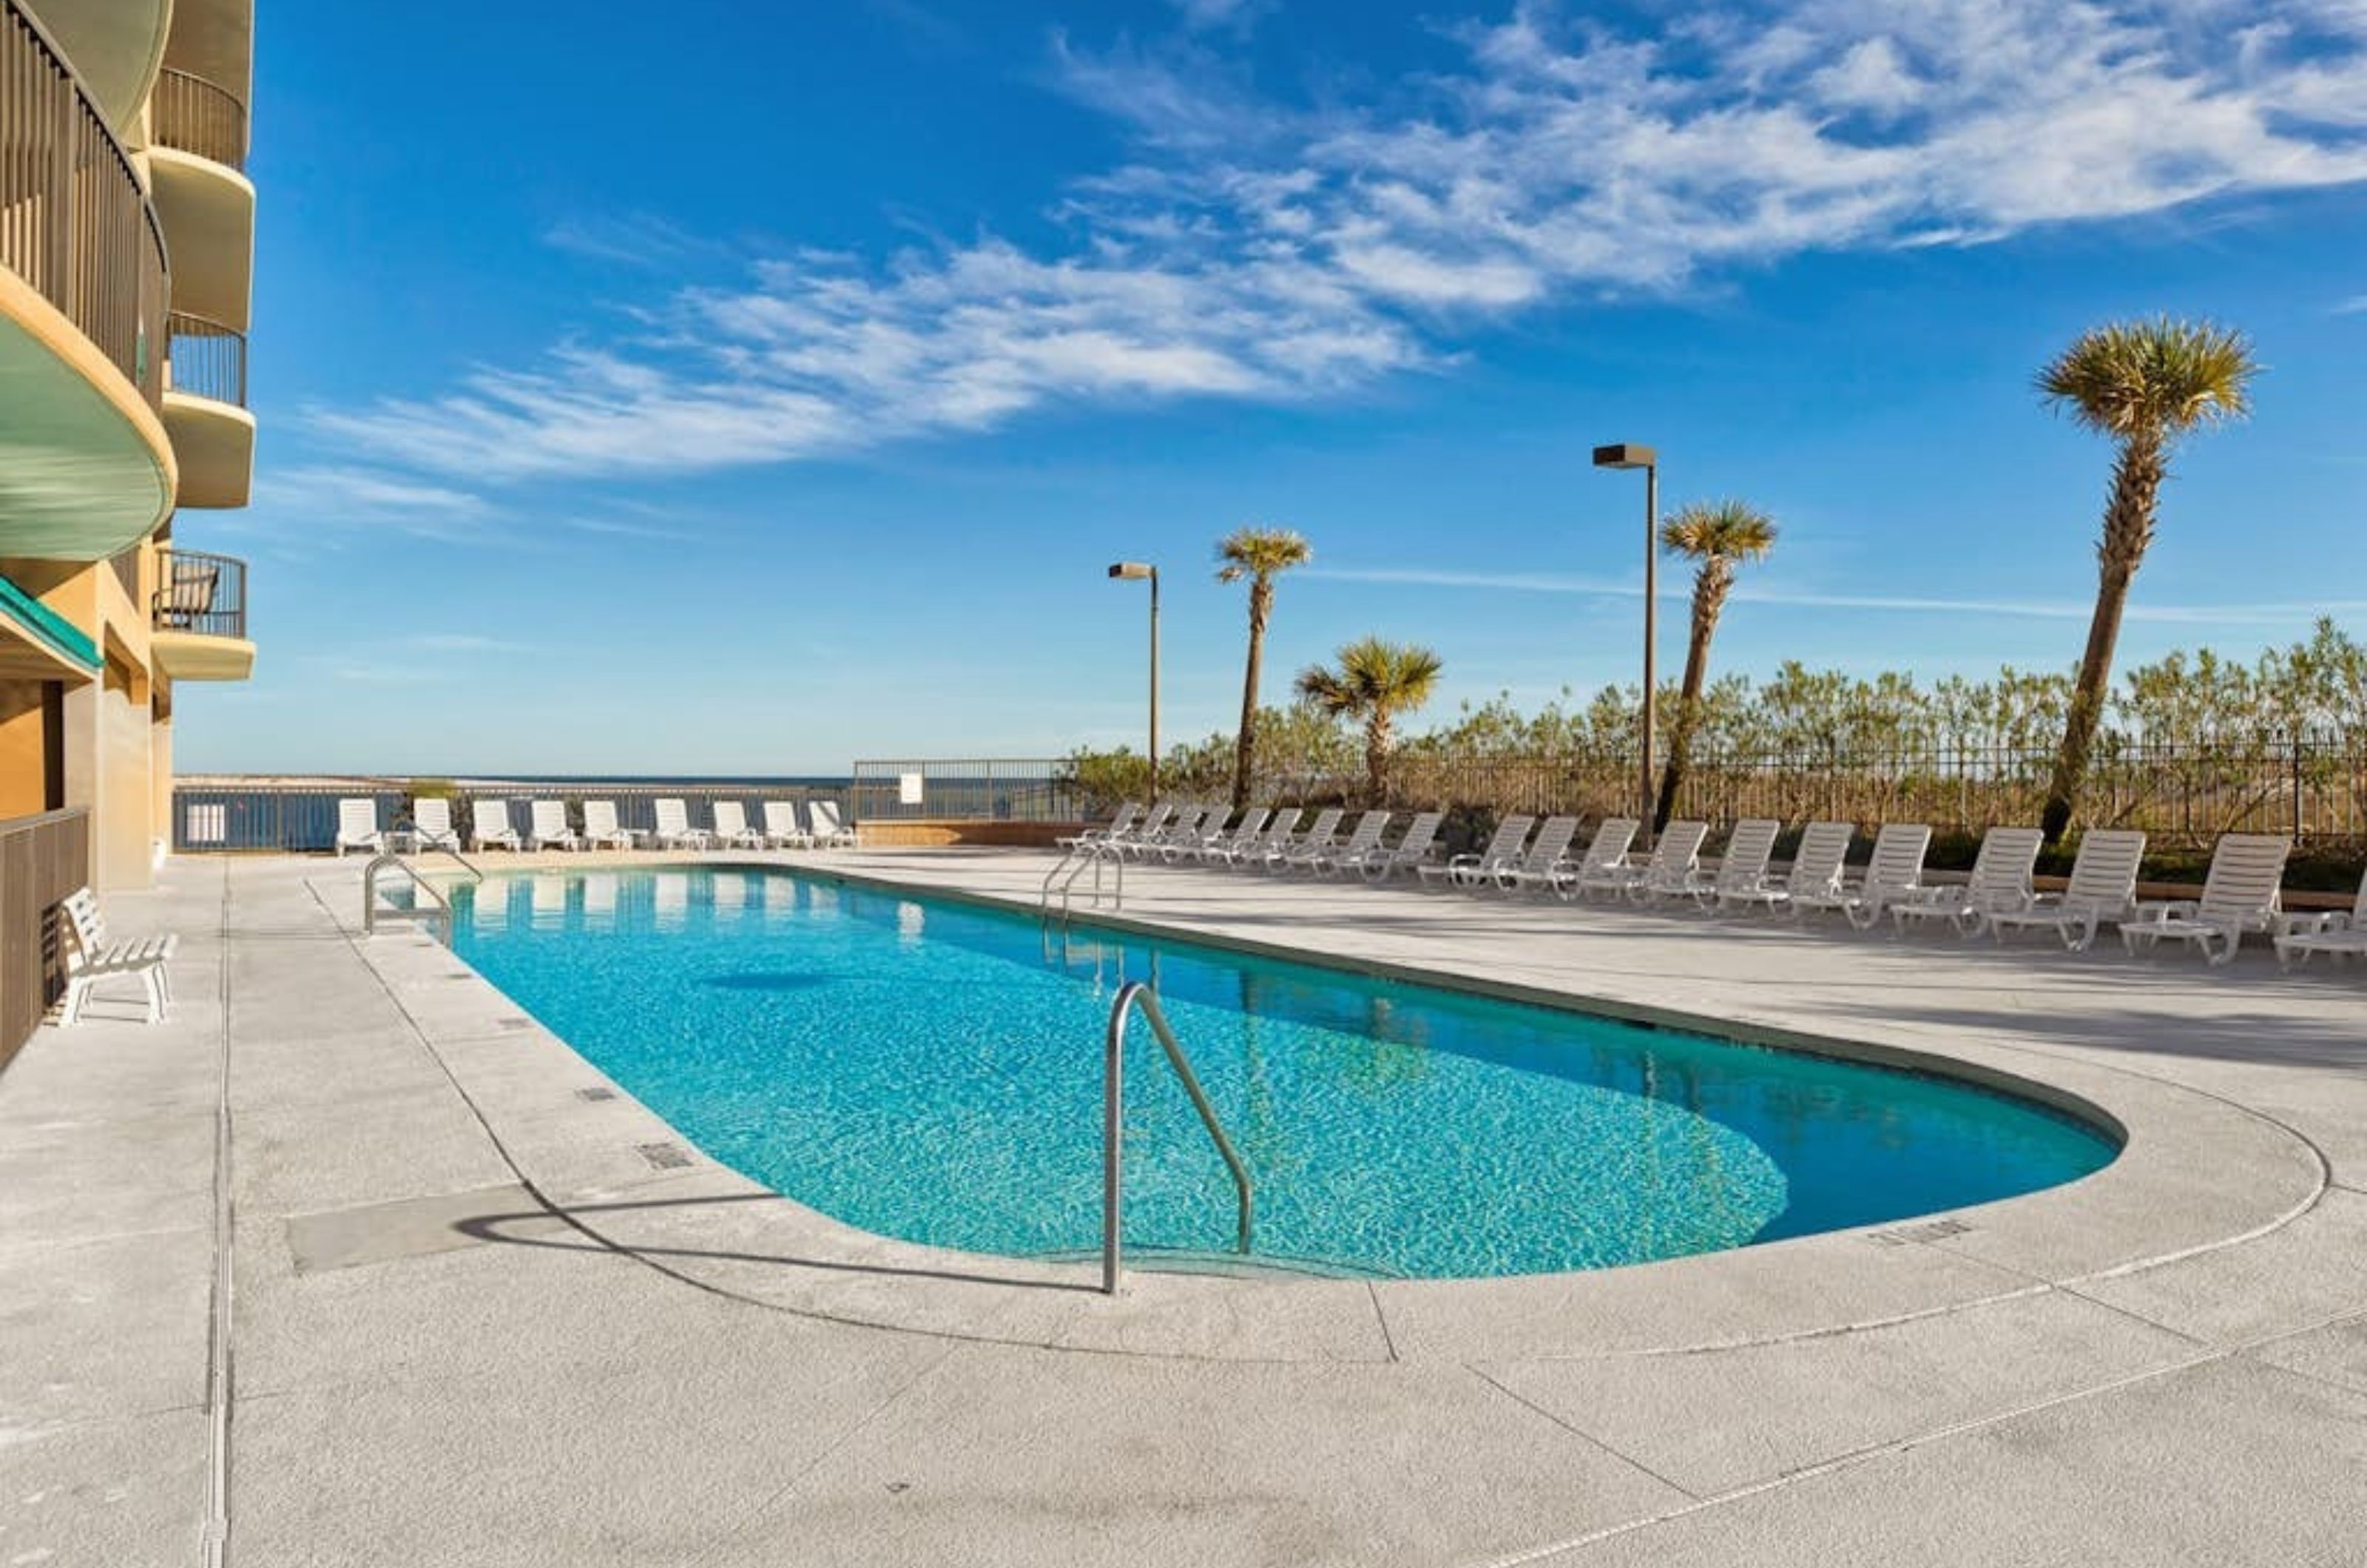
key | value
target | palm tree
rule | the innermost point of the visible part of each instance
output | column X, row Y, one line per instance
column 2144, row 384
column 1375, row 682
column 1260, row 555
column 1719, row 536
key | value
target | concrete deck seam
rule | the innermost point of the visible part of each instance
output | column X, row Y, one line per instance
column 855, row 1429
column 1381, row 1316
column 219, row 1387
column 1583, row 1435
column 1853, row 1459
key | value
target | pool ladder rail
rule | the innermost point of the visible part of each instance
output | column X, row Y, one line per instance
column 1133, row 995
column 438, row 919
column 1063, row 879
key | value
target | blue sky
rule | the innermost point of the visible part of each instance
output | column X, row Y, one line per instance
column 758, row 388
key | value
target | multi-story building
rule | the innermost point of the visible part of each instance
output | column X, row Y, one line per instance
column 127, row 250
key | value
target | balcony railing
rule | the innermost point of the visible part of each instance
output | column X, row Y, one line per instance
column 209, row 359
column 75, row 223
column 193, row 115
column 200, row 594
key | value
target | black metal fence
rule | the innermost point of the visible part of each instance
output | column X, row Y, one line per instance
column 219, row 815
column 201, row 593
column 973, row 789
column 2311, row 786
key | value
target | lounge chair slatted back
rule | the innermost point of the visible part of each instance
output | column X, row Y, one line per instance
column 1672, row 870
column 2001, row 871
column 1748, row 849
column 548, row 823
column 430, row 819
column 1614, row 836
column 1818, row 864
column 829, row 830
column 600, row 825
column 2104, row 872
column 488, row 817
column 1551, row 843
column 1326, row 824
column 357, row 825
column 1898, row 862
column 781, row 822
column 2246, row 876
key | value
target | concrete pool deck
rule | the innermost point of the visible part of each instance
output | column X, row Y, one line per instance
column 484, row 1308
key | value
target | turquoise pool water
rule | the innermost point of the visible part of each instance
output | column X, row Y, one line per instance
column 932, row 1070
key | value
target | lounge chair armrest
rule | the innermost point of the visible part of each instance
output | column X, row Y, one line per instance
column 2154, row 911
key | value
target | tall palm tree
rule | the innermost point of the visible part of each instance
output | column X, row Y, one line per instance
column 1374, row 682
column 1719, row 537
column 2144, row 384
column 1260, row 555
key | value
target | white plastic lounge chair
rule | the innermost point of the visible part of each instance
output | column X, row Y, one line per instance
column 1252, row 850
column 1815, row 870
column 1604, row 860
column 1363, row 841
column 489, row 826
column 1184, row 827
column 828, row 832
column 546, row 826
column 1545, row 861
column 1214, row 835
column 2240, row 893
column 1675, row 865
column 1895, row 872
column 1116, row 827
column 2104, row 887
column 2337, row 933
column 357, row 826
column 732, row 829
column 781, row 826
column 1411, row 854
column 601, row 830
column 1999, row 884
column 674, row 831
column 1741, row 865
column 1318, row 836
column 1503, row 849
column 91, row 955
column 1126, row 840
column 431, row 824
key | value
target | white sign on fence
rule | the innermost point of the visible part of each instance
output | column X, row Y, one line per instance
column 910, row 788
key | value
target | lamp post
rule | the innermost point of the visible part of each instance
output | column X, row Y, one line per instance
column 1628, row 455
column 1137, row 571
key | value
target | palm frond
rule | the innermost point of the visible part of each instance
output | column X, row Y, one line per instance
column 2160, row 376
column 1719, row 530
column 1259, row 553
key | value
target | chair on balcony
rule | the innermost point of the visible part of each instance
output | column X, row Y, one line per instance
column 187, row 596
column 490, row 827
column 91, row 955
column 357, row 826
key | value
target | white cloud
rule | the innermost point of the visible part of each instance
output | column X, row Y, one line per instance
column 2355, row 305
column 1254, row 250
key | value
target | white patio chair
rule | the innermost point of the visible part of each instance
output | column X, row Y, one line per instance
column 1411, row 853
column 1214, row 835
column 546, row 826
column 601, row 830
column 91, row 957
column 1815, row 870
column 1546, row 860
column 1674, row 865
column 674, row 831
column 1604, row 861
column 828, row 832
column 1116, row 827
column 781, row 827
column 732, row 829
column 431, row 823
column 489, row 824
column 1741, row 865
column 1146, row 830
column 1318, row 836
column 1252, row 850
column 1363, row 841
column 2337, row 933
column 1503, row 849
column 357, row 826
column 1999, row 884
column 2241, row 892
column 2104, row 887
column 1895, row 872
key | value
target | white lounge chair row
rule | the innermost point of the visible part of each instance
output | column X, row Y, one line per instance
column 2240, row 895
column 787, row 826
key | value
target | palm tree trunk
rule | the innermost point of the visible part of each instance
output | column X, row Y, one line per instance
column 1709, row 598
column 2128, row 529
column 1245, row 747
column 1376, row 756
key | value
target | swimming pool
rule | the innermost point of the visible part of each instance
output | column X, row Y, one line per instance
column 930, row 1070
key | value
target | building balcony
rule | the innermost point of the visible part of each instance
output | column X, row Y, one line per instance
column 205, row 411
column 191, row 114
column 197, row 146
column 83, row 292
column 199, row 618
column 115, row 45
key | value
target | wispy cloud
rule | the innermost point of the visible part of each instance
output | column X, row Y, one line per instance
column 1257, row 250
column 637, row 240
column 2039, row 609
column 2353, row 306
column 462, row 642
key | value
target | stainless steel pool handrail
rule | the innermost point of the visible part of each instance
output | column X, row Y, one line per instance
column 1132, row 995
column 386, row 858
column 1075, row 863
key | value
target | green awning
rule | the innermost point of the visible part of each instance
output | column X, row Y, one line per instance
column 46, row 626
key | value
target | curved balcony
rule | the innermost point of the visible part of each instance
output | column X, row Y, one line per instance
column 193, row 115
column 205, row 411
column 82, row 290
column 115, row 45
column 199, row 618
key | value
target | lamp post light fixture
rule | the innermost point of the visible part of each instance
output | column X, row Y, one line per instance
column 1137, row 571
column 1628, row 455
